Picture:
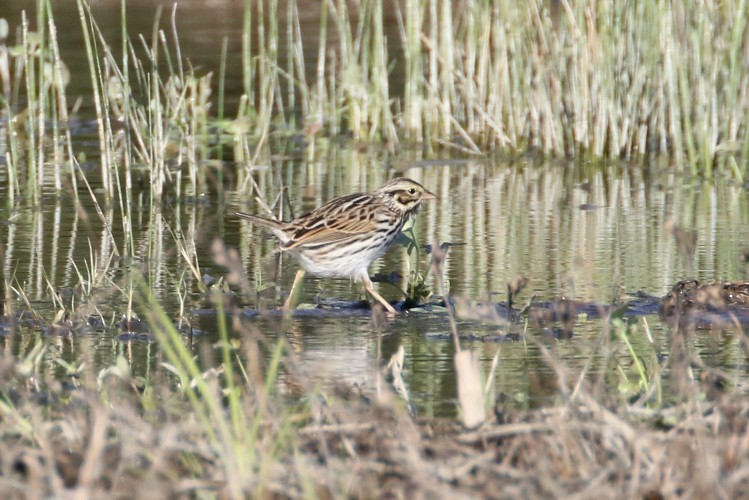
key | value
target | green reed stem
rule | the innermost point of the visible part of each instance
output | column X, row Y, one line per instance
column 247, row 75
column 97, row 85
column 126, row 210
column 41, row 97
column 30, row 80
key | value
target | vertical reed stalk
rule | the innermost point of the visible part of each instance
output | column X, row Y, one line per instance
column 41, row 96
column 30, row 80
column 247, row 50
column 126, row 209
column 87, row 25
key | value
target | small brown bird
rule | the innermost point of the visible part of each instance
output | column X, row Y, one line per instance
column 343, row 237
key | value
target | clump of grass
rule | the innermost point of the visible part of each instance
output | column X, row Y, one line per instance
column 32, row 102
column 170, row 126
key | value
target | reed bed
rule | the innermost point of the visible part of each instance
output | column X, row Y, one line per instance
column 590, row 80
column 650, row 82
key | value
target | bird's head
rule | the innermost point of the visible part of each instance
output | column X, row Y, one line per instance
column 404, row 195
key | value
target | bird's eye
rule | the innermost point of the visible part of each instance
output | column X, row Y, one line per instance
column 412, row 191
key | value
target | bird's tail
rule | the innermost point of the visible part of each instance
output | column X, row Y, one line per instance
column 260, row 221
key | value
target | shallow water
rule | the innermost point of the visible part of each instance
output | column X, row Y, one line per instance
column 531, row 219
column 592, row 233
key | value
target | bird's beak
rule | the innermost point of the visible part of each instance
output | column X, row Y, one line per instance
column 428, row 195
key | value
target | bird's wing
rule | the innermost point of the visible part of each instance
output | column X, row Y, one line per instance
column 334, row 223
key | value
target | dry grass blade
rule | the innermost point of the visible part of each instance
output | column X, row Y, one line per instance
column 467, row 365
column 470, row 392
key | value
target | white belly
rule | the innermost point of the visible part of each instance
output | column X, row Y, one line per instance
column 340, row 264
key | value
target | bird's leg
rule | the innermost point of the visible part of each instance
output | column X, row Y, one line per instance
column 368, row 286
column 296, row 288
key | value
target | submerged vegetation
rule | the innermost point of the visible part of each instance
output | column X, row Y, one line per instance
column 656, row 83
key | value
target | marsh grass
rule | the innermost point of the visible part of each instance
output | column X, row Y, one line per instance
column 31, row 69
column 595, row 81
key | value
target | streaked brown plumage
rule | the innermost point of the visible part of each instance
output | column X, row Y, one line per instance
column 343, row 237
